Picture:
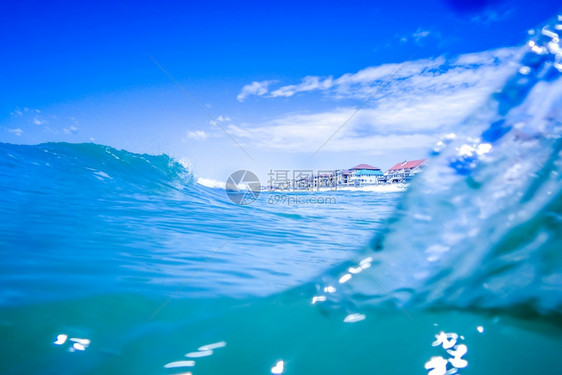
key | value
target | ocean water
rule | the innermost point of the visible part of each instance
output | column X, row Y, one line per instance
column 118, row 263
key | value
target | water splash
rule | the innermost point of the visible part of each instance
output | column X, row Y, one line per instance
column 481, row 226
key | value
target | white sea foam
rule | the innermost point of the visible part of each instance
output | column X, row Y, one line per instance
column 208, row 182
column 383, row 188
column 214, row 184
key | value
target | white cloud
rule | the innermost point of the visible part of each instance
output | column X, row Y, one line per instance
column 20, row 112
column 366, row 133
column 436, row 73
column 17, row 131
column 222, row 118
column 422, row 99
column 37, row 121
column 198, row 135
column 420, row 34
column 308, row 84
column 254, row 88
column 70, row 130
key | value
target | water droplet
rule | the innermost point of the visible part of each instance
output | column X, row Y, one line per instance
column 278, row 368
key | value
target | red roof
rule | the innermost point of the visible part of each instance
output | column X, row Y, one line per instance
column 364, row 166
column 407, row 165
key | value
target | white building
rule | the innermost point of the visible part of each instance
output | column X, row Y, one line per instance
column 403, row 172
column 365, row 174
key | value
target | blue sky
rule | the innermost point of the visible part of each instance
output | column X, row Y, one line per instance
column 280, row 77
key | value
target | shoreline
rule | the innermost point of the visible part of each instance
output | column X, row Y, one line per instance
column 380, row 188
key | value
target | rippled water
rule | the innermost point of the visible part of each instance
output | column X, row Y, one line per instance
column 115, row 262
column 83, row 219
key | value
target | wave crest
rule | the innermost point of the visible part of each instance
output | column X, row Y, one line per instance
column 84, row 167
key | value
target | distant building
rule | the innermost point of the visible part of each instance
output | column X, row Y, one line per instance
column 360, row 175
column 364, row 174
column 325, row 180
column 403, row 172
column 343, row 177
